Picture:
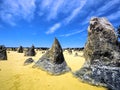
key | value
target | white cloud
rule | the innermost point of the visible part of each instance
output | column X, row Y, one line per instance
column 73, row 33
column 114, row 16
column 75, row 12
column 52, row 8
column 46, row 4
column 54, row 11
column 13, row 10
column 108, row 6
column 102, row 9
column 53, row 28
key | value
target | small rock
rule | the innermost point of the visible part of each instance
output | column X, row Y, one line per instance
column 28, row 61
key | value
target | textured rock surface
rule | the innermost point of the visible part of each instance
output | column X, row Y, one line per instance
column 3, row 53
column 28, row 61
column 53, row 60
column 20, row 49
column 30, row 52
column 102, row 66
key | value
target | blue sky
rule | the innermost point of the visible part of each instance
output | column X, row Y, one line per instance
column 27, row 22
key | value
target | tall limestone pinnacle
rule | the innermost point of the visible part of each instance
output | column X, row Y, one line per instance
column 3, row 52
column 101, row 40
column 102, row 55
column 20, row 49
column 30, row 51
column 53, row 60
column 56, row 53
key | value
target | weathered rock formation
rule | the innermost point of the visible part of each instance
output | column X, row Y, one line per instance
column 30, row 51
column 102, row 54
column 28, row 61
column 20, row 49
column 3, row 53
column 53, row 60
column 76, row 54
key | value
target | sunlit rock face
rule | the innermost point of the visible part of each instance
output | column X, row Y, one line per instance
column 102, row 54
column 53, row 60
column 3, row 53
column 101, row 43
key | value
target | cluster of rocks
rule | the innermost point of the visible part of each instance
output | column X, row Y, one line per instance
column 53, row 60
column 102, row 54
column 11, row 48
column 30, row 51
column 3, row 53
column 75, row 49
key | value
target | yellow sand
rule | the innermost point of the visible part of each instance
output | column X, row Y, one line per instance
column 15, row 76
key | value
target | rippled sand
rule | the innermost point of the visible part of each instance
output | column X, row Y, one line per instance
column 15, row 76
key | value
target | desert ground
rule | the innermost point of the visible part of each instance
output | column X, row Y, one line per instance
column 15, row 76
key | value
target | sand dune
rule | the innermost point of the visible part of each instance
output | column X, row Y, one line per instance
column 15, row 76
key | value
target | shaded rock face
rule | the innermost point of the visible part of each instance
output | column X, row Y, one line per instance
column 102, row 55
column 53, row 60
column 3, row 53
column 28, row 61
column 20, row 49
column 30, row 52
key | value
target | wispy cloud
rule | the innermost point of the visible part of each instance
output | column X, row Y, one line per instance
column 54, row 11
column 108, row 6
column 114, row 16
column 13, row 10
column 65, row 7
column 57, row 7
column 75, row 12
column 73, row 33
column 54, row 28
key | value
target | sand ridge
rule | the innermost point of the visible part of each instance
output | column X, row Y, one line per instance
column 15, row 76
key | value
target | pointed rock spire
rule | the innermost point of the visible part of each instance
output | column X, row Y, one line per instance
column 53, row 60
column 31, row 51
column 56, row 52
column 20, row 49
